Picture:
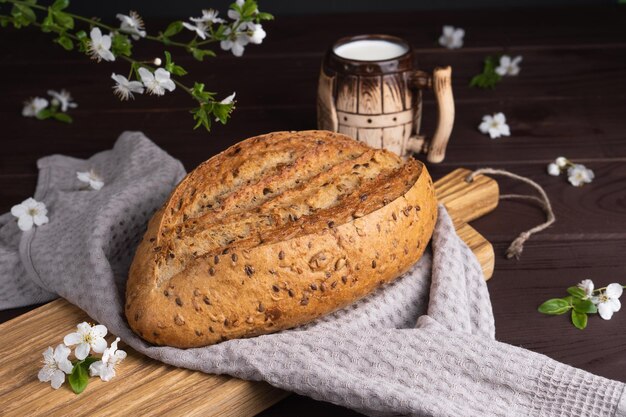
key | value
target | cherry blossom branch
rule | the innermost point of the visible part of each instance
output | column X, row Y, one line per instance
column 243, row 29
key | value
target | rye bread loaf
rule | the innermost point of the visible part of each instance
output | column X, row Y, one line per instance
column 274, row 232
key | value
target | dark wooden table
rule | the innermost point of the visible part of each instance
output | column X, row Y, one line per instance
column 570, row 99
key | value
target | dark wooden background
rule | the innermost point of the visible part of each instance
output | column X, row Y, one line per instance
column 570, row 99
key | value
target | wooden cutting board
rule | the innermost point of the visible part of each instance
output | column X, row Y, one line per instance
column 145, row 387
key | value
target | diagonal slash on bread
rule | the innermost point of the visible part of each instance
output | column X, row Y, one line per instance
column 274, row 232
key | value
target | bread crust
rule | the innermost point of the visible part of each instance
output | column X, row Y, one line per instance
column 286, row 276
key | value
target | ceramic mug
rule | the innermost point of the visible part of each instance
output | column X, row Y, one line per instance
column 370, row 89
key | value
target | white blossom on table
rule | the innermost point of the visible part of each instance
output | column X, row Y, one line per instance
column 94, row 180
column 208, row 16
column 156, row 83
column 105, row 368
column 30, row 212
column 100, row 46
column 452, row 38
column 87, row 338
column 608, row 301
column 124, row 88
column 55, row 365
column 508, row 66
column 579, row 175
column 495, row 125
column 132, row 24
column 62, row 99
column 33, row 106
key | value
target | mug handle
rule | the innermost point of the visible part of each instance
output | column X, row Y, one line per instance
column 441, row 83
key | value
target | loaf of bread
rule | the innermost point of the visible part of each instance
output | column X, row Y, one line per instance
column 274, row 232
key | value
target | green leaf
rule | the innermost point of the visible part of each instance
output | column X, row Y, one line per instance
column 79, row 378
column 48, row 25
column 65, row 42
column 44, row 114
column 63, row 117
column 120, row 45
column 199, row 54
column 489, row 77
column 22, row 15
column 173, row 28
column 173, row 68
column 201, row 116
column 585, row 306
column 199, row 94
column 60, row 4
column 64, row 20
column 576, row 292
column 579, row 319
column 264, row 16
column 554, row 306
column 4, row 21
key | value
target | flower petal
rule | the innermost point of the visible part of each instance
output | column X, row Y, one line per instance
column 605, row 310
column 18, row 210
column 99, row 345
column 72, row 339
column 66, row 366
column 25, row 222
column 48, row 355
column 95, row 368
column 83, row 328
column 145, row 75
column 99, row 330
column 45, row 373
column 614, row 290
column 95, row 35
column 615, row 304
column 40, row 219
column 58, row 377
column 499, row 118
column 82, row 350
column 61, row 352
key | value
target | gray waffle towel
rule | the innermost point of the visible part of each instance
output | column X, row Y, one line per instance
column 422, row 346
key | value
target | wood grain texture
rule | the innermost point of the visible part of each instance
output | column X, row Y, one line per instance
column 568, row 99
column 142, row 387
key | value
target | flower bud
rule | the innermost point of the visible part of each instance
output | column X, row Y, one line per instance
column 157, row 61
column 554, row 170
column 561, row 162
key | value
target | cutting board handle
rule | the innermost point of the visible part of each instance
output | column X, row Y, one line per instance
column 467, row 201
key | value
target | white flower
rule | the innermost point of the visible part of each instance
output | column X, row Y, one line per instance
column 132, row 24
column 236, row 43
column 452, row 38
column 124, row 89
column 587, row 286
column 199, row 27
column 62, row 99
column 100, row 46
column 30, row 212
column 561, row 161
column 579, row 175
column 105, row 368
column 208, row 15
column 228, row 99
column 608, row 301
column 234, row 14
column 157, row 82
column 554, row 170
column 34, row 106
column 91, row 178
column 55, row 365
column 495, row 125
column 508, row 66
column 256, row 33
column 87, row 338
